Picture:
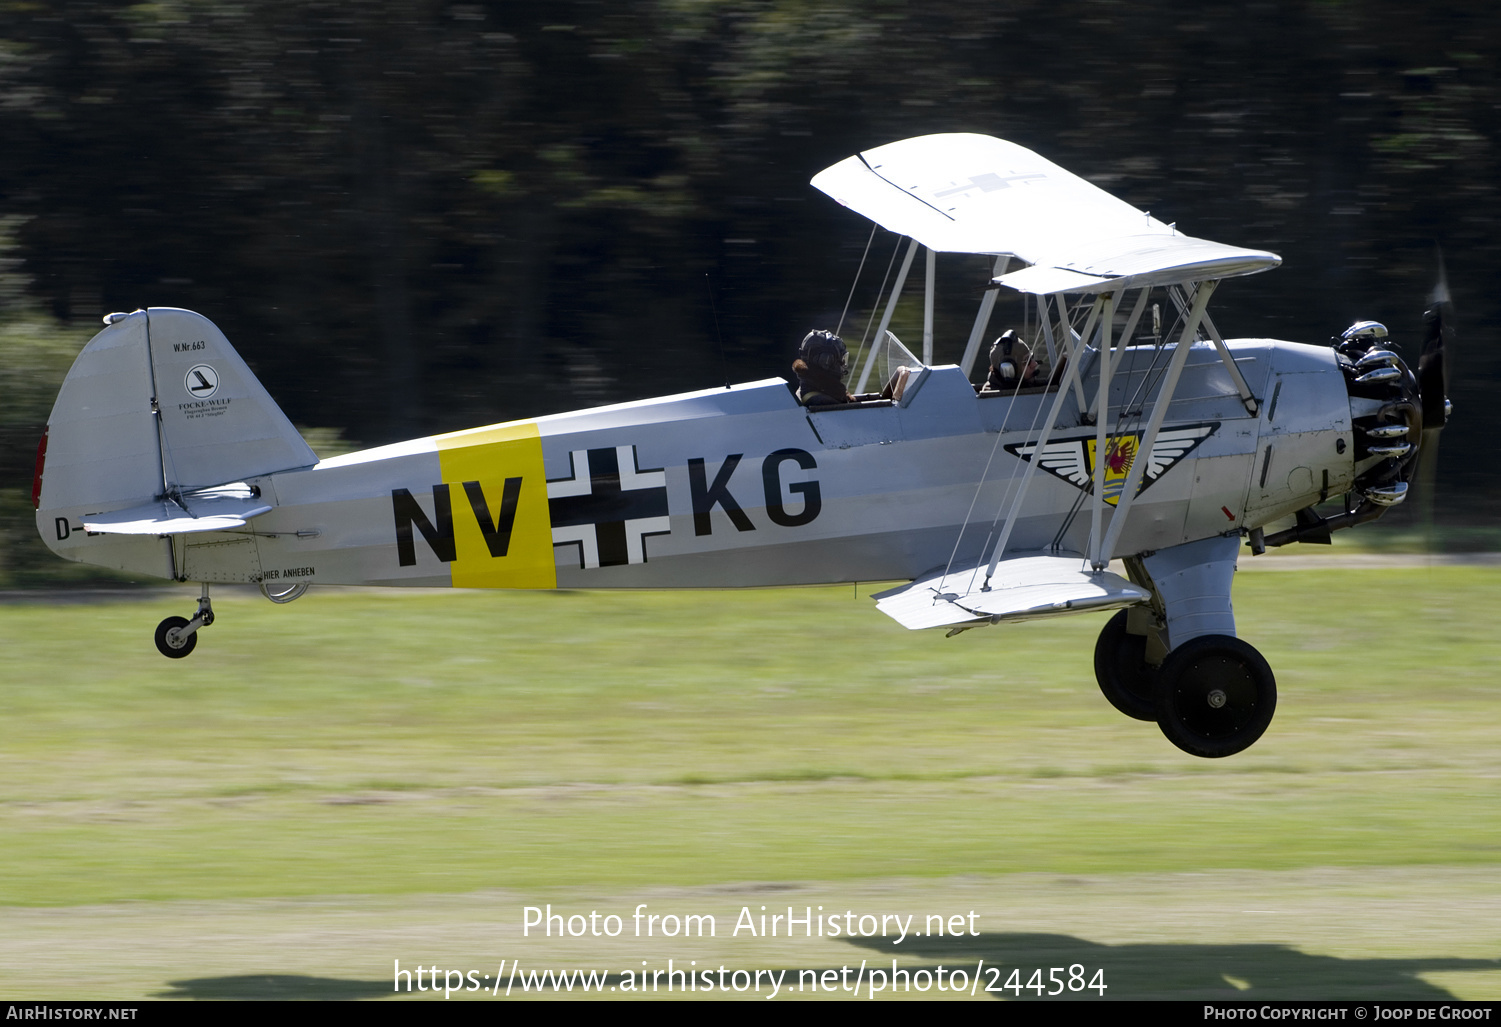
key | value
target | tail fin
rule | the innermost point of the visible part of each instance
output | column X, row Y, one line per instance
column 157, row 404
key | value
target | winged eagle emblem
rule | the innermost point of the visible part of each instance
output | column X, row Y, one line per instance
column 1073, row 460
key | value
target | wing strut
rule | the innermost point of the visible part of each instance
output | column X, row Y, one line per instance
column 1143, row 456
column 1126, row 333
column 1047, row 429
column 927, row 309
column 1046, row 317
column 982, row 319
column 1066, row 339
column 896, row 292
column 1226, row 357
column 1063, row 343
column 1101, row 454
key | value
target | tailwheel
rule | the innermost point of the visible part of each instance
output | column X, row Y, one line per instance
column 178, row 636
column 1216, row 696
column 1121, row 668
column 171, row 642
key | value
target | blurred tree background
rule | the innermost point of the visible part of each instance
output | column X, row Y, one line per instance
column 412, row 217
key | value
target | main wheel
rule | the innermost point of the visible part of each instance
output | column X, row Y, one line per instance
column 1121, row 668
column 1216, row 696
column 171, row 646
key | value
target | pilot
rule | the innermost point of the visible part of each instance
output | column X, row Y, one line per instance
column 822, row 365
column 1012, row 365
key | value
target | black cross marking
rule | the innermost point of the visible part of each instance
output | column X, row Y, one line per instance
column 988, row 182
column 608, row 506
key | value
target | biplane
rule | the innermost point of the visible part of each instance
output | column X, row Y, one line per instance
column 1154, row 445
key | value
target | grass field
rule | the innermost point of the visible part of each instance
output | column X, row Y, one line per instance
column 363, row 777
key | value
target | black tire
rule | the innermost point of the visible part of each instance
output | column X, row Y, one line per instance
column 183, row 647
column 1216, row 696
column 1121, row 668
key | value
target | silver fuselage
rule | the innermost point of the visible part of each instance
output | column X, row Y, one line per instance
column 742, row 486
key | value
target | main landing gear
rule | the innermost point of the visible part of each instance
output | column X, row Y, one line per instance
column 1121, row 668
column 1213, row 696
column 177, row 636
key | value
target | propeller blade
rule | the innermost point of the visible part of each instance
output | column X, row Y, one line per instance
column 1425, row 484
column 1433, row 390
column 1440, row 295
column 1433, row 371
column 1433, row 375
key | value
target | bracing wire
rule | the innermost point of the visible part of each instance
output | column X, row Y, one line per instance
column 858, row 270
column 873, row 310
column 1129, row 414
column 1132, row 410
column 1011, row 482
column 1125, row 420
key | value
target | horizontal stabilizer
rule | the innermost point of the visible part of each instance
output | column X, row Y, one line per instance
column 1024, row 588
column 209, row 510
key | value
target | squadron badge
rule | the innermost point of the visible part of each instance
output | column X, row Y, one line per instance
column 1074, row 460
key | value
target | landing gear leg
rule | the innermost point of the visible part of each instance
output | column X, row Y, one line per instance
column 177, row 636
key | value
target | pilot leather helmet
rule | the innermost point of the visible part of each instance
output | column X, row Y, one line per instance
column 1010, row 356
column 824, row 351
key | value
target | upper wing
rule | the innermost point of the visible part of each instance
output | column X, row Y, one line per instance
column 966, row 193
column 1024, row 588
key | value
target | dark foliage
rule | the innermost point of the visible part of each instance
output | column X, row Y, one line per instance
column 416, row 216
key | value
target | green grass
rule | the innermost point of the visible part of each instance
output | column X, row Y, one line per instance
column 416, row 745
column 362, row 742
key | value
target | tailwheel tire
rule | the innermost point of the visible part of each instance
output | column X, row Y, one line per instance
column 1121, row 668
column 172, row 647
column 1216, row 696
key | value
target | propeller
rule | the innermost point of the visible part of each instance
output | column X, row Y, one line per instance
column 1433, row 388
column 1433, row 372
